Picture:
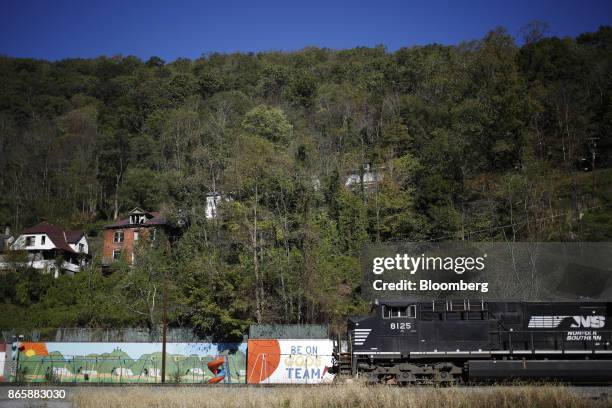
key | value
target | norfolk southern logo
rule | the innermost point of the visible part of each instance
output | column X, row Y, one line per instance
column 361, row 335
column 593, row 322
column 552, row 322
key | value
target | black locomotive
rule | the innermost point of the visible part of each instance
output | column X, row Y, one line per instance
column 409, row 341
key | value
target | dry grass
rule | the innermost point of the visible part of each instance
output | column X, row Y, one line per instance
column 344, row 395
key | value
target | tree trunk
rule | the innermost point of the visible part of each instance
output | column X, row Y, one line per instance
column 117, row 183
column 258, row 299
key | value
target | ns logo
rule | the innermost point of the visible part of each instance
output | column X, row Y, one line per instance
column 592, row 322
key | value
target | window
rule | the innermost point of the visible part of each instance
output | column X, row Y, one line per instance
column 118, row 237
column 30, row 241
column 81, row 247
column 138, row 219
column 43, row 239
column 395, row 312
column 116, row 254
column 135, row 235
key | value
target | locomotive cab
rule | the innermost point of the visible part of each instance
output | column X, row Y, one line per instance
column 402, row 327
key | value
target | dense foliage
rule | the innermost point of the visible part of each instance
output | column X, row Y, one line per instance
column 485, row 140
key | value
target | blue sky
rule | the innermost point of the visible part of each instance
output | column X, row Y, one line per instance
column 59, row 29
column 135, row 350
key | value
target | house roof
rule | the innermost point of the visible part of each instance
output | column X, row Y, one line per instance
column 153, row 218
column 138, row 210
column 72, row 237
column 60, row 238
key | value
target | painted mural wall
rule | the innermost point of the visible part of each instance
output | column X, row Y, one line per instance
column 2, row 359
column 131, row 362
column 289, row 361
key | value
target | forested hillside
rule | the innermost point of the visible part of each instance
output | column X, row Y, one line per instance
column 484, row 141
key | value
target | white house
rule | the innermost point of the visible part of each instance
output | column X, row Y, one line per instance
column 212, row 203
column 53, row 250
column 153, row 372
column 123, row 372
column 370, row 178
column 61, row 371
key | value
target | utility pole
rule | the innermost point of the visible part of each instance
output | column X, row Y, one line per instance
column 164, row 330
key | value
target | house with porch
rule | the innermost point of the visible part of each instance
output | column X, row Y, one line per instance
column 51, row 249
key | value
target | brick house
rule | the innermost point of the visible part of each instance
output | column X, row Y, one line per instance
column 121, row 237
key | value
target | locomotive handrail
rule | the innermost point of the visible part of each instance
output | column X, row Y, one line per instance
column 464, row 305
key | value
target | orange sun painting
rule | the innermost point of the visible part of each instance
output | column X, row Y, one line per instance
column 34, row 349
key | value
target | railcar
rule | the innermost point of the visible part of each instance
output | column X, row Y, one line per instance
column 455, row 341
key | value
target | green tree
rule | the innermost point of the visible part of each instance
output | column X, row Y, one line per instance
column 268, row 123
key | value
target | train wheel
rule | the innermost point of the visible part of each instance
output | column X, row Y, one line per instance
column 406, row 378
